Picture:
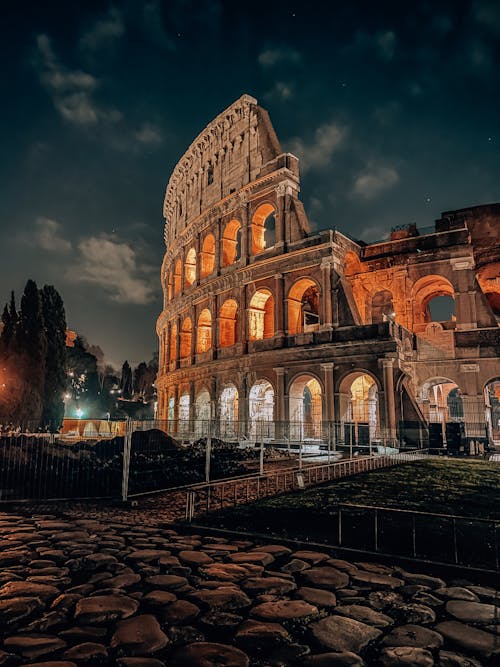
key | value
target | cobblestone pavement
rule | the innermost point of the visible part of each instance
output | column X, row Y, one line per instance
column 84, row 592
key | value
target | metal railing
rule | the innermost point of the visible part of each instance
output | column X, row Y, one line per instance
column 230, row 492
column 440, row 538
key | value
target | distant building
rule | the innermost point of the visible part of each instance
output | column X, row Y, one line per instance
column 265, row 322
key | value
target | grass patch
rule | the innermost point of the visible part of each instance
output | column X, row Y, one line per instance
column 465, row 488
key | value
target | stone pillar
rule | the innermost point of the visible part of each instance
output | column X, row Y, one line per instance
column 192, row 407
column 194, row 331
column 178, row 342
column 197, row 245
column 246, row 235
column 279, row 305
column 389, row 398
column 218, row 253
column 213, row 398
column 465, row 294
column 243, row 405
column 243, row 320
column 329, row 400
column 280, row 216
column 280, row 407
column 326, row 302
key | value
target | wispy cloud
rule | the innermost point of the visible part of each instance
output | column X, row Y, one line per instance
column 272, row 57
column 72, row 91
column 114, row 267
column 382, row 43
column 374, row 180
column 318, row 152
column 48, row 236
column 149, row 135
column 104, row 32
column 280, row 92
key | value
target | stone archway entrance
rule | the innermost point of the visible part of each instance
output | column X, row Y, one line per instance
column 228, row 411
column 359, row 410
column 305, row 408
column 202, row 413
column 443, row 409
column 261, row 410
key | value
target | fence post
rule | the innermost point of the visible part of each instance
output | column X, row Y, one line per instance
column 455, row 546
column 329, row 441
column 208, row 453
column 127, row 446
column 261, row 453
column 376, row 529
column 339, row 537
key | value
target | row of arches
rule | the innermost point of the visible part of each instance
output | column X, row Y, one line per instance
column 194, row 266
column 302, row 315
column 359, row 405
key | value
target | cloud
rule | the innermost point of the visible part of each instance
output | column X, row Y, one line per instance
column 318, row 152
column 71, row 90
column 48, row 237
column 272, row 57
column 486, row 14
column 374, row 180
column 386, row 44
column 280, row 92
column 113, row 266
column 148, row 135
column 103, row 32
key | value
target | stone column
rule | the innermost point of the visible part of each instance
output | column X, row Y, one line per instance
column 218, row 254
column 326, row 310
column 465, row 294
column 192, row 407
column 194, row 331
column 389, row 398
column 280, row 407
column 243, row 405
column 279, row 305
column 280, row 216
column 197, row 245
column 329, row 401
column 243, row 320
column 213, row 398
column 246, row 235
column 215, row 323
column 178, row 342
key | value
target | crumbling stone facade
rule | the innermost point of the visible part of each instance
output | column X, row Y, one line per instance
column 265, row 321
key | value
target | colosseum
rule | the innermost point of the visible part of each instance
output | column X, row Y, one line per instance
column 273, row 331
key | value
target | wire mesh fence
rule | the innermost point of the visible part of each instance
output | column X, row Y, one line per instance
column 99, row 459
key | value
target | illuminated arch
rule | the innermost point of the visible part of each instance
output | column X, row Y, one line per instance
column 261, row 315
column 190, row 267
column 207, row 256
column 305, row 408
column 231, row 242
column 261, row 409
column 228, row 323
column 204, row 331
column 186, row 338
column 229, row 411
column 359, row 408
column 173, row 343
column 184, row 411
column 424, row 291
column 263, row 228
column 177, row 277
column 202, row 412
column 303, row 306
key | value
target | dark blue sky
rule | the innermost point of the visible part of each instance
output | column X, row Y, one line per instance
column 393, row 109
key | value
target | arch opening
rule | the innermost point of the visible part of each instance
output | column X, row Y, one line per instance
column 229, row 411
column 425, row 290
column 261, row 315
column 173, row 343
column 204, row 331
column 184, row 412
column 442, row 407
column 263, row 228
column 228, row 323
column 261, row 410
column 177, row 277
column 190, row 268
column 305, row 408
column 207, row 256
column 359, row 409
column 202, row 413
column 303, row 307
column 231, row 243
column 492, row 402
column 186, row 338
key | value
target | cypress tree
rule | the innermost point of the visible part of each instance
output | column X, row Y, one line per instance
column 31, row 341
column 54, row 318
column 126, row 380
column 9, row 320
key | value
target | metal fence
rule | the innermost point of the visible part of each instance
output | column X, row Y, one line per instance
column 440, row 538
column 222, row 494
column 102, row 459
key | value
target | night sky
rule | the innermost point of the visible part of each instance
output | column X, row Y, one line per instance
column 393, row 109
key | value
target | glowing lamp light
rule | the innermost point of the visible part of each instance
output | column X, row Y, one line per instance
column 79, row 413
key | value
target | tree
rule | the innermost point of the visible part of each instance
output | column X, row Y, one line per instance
column 126, row 380
column 55, row 365
column 10, row 321
column 83, row 378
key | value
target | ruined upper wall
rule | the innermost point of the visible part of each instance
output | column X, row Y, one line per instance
column 229, row 153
